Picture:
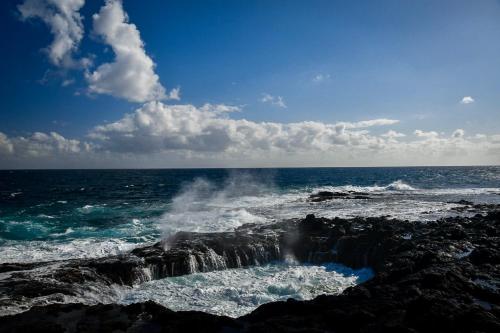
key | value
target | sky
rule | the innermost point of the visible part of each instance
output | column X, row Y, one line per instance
column 160, row 84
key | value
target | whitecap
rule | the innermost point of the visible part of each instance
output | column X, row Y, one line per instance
column 46, row 216
column 66, row 232
column 91, row 208
column 399, row 185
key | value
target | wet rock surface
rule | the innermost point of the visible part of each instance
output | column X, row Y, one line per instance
column 328, row 195
column 441, row 276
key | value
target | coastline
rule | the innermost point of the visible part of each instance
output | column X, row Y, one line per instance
column 434, row 276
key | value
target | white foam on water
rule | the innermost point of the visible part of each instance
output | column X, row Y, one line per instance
column 202, row 207
column 66, row 232
column 91, row 208
column 399, row 185
column 33, row 251
column 46, row 216
column 235, row 292
column 396, row 186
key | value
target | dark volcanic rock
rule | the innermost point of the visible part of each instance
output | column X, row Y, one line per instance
column 144, row 317
column 184, row 253
column 441, row 276
column 327, row 195
column 188, row 252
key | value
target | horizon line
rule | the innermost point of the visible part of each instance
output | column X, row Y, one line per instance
column 256, row 168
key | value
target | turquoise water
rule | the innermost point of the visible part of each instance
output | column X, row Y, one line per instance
column 58, row 214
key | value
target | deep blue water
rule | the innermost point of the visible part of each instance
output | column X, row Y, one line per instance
column 93, row 212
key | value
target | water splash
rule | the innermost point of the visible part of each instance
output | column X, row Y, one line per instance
column 203, row 206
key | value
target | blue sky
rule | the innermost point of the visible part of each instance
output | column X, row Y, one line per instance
column 321, row 61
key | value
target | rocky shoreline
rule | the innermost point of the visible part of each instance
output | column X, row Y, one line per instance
column 437, row 276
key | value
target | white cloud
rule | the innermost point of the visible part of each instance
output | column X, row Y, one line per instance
column 41, row 144
column 428, row 135
column 458, row 133
column 131, row 75
column 467, row 100
column 6, row 146
column 160, row 135
column 157, row 127
column 175, row 94
column 273, row 100
column 393, row 134
column 207, row 134
column 65, row 23
column 321, row 77
column 220, row 108
column 371, row 123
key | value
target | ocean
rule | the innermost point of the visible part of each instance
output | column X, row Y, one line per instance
column 50, row 215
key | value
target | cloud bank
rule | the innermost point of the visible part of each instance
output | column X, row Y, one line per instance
column 157, row 127
column 161, row 135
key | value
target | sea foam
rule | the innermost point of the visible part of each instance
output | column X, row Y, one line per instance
column 236, row 292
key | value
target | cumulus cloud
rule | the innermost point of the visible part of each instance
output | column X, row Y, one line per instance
column 428, row 135
column 41, row 144
column 157, row 127
column 6, row 146
column 209, row 134
column 467, row 100
column 175, row 94
column 273, row 100
column 163, row 135
column 131, row 75
column 65, row 23
column 458, row 133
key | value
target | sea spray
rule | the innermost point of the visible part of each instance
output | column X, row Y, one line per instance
column 204, row 206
